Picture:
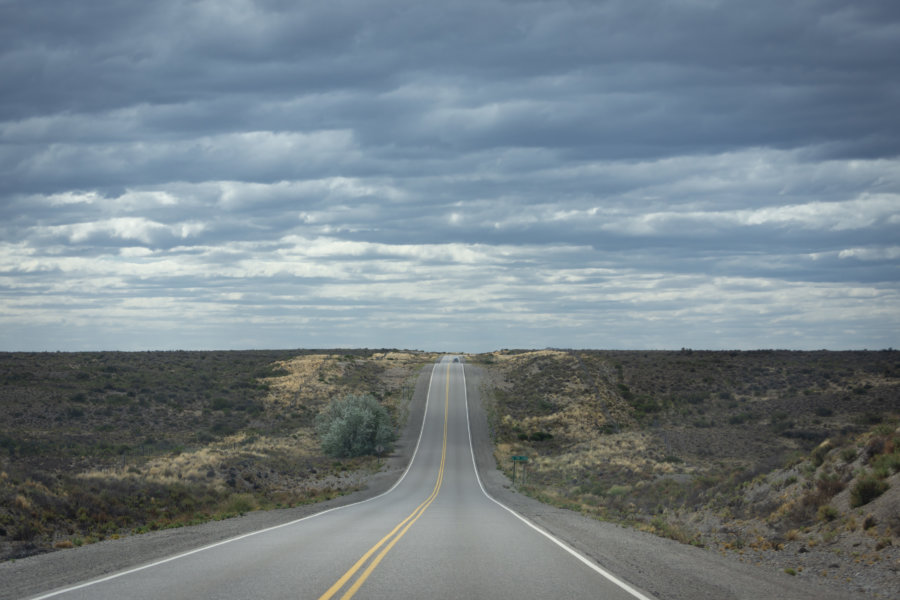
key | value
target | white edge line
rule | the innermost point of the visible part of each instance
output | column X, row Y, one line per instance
column 252, row 533
column 591, row 564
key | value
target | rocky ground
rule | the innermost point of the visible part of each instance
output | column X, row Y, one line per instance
column 853, row 547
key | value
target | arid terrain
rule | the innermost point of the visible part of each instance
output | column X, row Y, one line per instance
column 104, row 444
column 783, row 458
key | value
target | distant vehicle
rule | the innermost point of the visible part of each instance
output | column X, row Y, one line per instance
column 455, row 359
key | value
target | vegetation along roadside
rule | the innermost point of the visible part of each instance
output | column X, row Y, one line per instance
column 789, row 459
column 102, row 444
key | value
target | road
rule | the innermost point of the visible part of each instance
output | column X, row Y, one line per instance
column 435, row 534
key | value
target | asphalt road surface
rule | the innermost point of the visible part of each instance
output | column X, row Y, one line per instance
column 436, row 534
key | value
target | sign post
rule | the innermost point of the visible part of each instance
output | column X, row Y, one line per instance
column 516, row 461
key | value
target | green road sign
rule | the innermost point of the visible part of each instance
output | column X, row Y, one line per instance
column 520, row 458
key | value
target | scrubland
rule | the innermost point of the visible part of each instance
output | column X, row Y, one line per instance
column 790, row 459
column 103, row 444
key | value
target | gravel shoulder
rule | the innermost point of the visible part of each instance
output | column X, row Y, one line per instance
column 30, row 576
column 662, row 568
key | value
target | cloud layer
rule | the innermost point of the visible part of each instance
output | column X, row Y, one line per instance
column 189, row 174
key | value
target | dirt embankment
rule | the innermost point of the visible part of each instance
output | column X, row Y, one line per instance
column 786, row 459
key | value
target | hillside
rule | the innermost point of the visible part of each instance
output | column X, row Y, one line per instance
column 785, row 458
column 104, row 444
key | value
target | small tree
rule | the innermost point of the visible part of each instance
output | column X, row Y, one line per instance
column 353, row 426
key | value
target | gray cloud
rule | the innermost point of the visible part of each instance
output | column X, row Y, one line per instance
column 473, row 175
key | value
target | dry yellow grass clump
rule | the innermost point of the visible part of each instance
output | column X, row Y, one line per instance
column 309, row 378
column 400, row 356
column 212, row 463
column 635, row 451
column 315, row 379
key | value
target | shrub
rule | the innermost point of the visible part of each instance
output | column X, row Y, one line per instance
column 739, row 419
column 849, row 454
column 867, row 488
column 353, row 426
column 673, row 531
column 810, row 506
column 829, row 485
column 827, row 513
column 618, row 490
column 241, row 504
column 885, row 465
column 818, row 455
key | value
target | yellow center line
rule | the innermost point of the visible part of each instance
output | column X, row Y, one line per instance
column 393, row 537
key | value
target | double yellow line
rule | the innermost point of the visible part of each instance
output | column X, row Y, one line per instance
column 393, row 537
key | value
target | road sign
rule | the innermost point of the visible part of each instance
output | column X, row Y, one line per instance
column 516, row 461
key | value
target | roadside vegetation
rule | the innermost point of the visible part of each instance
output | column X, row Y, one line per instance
column 770, row 453
column 355, row 425
column 103, row 444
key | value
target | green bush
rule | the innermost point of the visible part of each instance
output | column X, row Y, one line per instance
column 867, row 488
column 740, row 419
column 827, row 513
column 618, row 490
column 818, row 455
column 849, row 454
column 354, row 426
column 241, row 504
column 886, row 464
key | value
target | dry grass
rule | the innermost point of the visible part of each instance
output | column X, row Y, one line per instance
column 683, row 443
column 256, row 447
column 308, row 379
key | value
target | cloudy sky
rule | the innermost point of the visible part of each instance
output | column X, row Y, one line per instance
column 467, row 175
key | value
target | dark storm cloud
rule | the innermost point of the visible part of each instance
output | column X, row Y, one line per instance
column 578, row 173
